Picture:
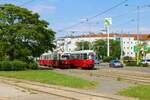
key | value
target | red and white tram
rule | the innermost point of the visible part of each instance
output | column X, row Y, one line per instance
column 76, row 59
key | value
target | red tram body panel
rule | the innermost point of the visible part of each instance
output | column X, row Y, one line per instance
column 76, row 59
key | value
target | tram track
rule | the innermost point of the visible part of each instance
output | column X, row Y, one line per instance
column 69, row 93
column 133, row 76
column 119, row 74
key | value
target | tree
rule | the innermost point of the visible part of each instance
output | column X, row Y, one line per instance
column 100, row 46
column 143, row 49
column 23, row 33
column 115, row 49
column 83, row 45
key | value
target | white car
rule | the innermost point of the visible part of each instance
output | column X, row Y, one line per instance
column 146, row 61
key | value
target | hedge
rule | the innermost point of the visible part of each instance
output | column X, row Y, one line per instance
column 107, row 59
column 17, row 65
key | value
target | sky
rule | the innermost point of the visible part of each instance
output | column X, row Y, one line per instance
column 64, row 13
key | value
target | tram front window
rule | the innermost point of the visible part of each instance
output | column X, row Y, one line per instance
column 91, row 56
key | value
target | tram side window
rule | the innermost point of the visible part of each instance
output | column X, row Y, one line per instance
column 75, row 56
column 65, row 57
column 46, row 57
column 55, row 57
column 42, row 58
column 85, row 56
column 49, row 57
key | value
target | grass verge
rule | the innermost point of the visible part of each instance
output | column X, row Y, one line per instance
column 50, row 77
column 141, row 91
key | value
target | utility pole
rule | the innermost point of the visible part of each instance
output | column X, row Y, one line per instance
column 138, row 31
column 89, row 25
column 107, row 23
column 108, row 42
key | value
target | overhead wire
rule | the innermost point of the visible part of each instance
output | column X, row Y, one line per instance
column 99, row 14
column 114, row 17
column 25, row 3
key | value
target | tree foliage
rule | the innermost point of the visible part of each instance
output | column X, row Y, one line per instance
column 23, row 33
column 83, row 45
column 115, row 49
column 100, row 47
column 143, row 50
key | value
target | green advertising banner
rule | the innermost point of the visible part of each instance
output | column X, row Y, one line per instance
column 146, row 48
column 136, row 49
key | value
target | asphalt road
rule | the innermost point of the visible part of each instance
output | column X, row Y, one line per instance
column 128, row 68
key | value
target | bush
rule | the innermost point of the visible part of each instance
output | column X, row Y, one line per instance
column 131, row 63
column 13, row 65
column 19, row 65
column 107, row 59
column 5, row 66
column 145, row 65
column 128, row 58
column 33, row 65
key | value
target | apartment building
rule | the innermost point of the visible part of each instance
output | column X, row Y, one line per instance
column 128, row 42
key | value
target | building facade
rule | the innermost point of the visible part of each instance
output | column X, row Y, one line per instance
column 128, row 42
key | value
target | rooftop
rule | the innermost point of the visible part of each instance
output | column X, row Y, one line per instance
column 139, row 36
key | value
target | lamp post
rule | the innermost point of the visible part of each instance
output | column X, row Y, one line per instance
column 108, row 41
column 138, row 31
column 107, row 23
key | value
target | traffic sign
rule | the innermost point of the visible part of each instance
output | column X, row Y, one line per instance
column 108, row 22
column 146, row 48
column 136, row 49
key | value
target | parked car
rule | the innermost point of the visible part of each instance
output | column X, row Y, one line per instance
column 97, row 62
column 145, row 61
column 115, row 64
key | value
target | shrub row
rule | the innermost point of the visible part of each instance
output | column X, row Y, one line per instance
column 130, row 63
column 134, row 63
column 108, row 59
column 16, row 65
column 144, row 65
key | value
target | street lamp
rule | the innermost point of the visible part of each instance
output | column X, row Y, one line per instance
column 107, row 23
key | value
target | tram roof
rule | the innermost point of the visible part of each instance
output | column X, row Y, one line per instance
column 82, row 51
column 46, row 53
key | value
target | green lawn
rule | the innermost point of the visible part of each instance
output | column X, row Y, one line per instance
column 141, row 91
column 50, row 77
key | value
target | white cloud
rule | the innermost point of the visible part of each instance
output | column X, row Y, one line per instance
column 43, row 8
